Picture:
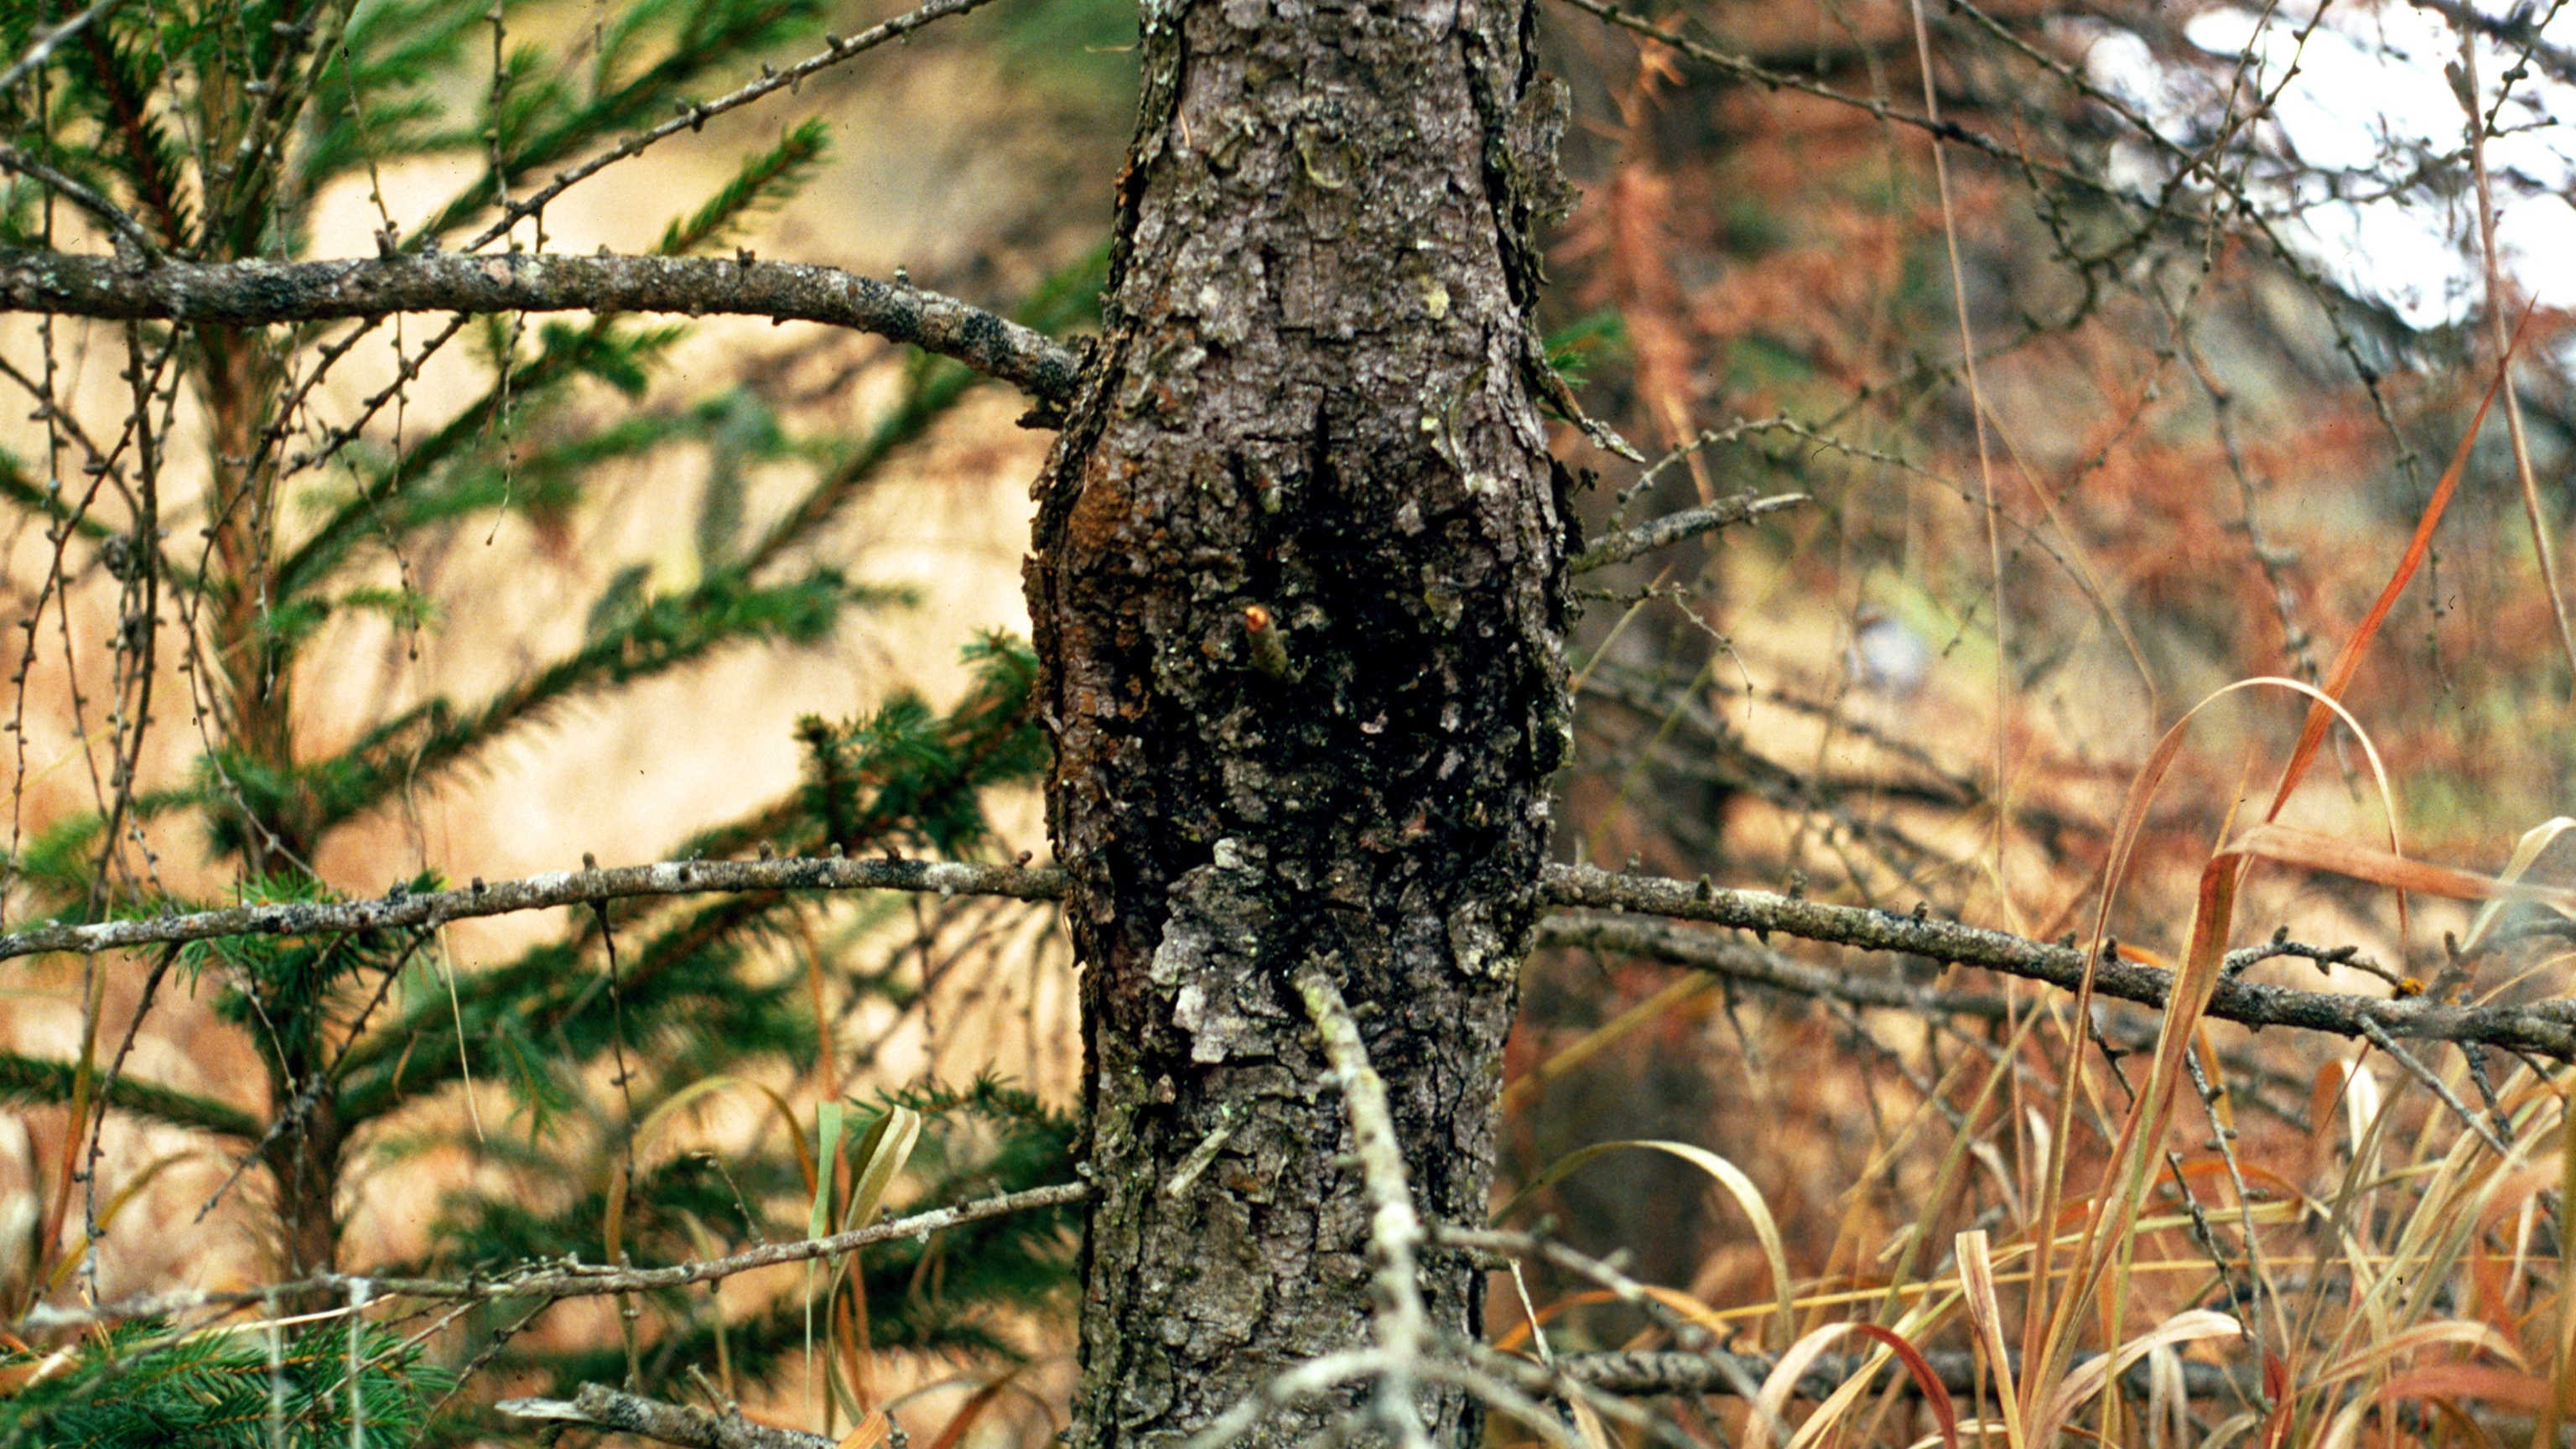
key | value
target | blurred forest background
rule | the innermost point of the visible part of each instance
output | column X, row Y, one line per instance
column 650, row 589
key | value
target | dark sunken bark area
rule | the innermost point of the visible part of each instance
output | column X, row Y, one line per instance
column 1310, row 407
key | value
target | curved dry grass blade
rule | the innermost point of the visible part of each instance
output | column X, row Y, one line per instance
column 2088, row 1378
column 2135, row 1156
column 880, row 1155
column 2461, row 1333
column 2168, row 1404
column 1783, row 1381
column 872, row 1430
column 2525, row 851
column 1726, row 1174
column 2314, row 851
column 973, row 1409
column 2441, row 1382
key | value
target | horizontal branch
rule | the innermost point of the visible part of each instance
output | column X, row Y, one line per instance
column 1738, row 960
column 1646, row 1374
column 1672, row 528
column 2547, row 1028
column 598, row 1406
column 431, row 909
column 552, row 1281
column 257, row 293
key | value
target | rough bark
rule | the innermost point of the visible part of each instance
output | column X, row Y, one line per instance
column 1299, row 592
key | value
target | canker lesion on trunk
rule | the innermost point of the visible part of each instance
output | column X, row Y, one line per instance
column 1311, row 400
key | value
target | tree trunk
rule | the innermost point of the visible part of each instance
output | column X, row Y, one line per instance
column 1299, row 593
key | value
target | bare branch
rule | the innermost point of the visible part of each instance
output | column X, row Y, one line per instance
column 253, row 293
column 541, row 892
column 1672, row 528
column 2514, row 30
column 598, row 1406
column 563, row 1280
column 43, row 50
column 1650, row 1374
column 694, row 115
column 1724, row 955
column 127, row 229
column 2379, row 1038
column 2547, row 1028
column 1754, row 73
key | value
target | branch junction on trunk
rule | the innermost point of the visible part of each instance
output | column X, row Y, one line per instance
column 1604, row 905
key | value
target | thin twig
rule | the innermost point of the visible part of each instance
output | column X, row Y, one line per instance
column 1648, row 1374
column 43, row 50
column 559, row 1280
column 2547, row 1028
column 1672, row 528
column 2544, row 553
column 108, row 212
column 2380, row 1038
column 1755, row 73
column 695, row 114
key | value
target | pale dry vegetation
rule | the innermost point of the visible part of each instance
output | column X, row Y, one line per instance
column 2193, row 485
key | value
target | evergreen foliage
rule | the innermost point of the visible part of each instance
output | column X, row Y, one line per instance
column 142, row 1383
column 217, row 124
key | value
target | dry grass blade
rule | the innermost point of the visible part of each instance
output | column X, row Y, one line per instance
column 2347, row 661
column 2048, row 1342
column 1986, row 1317
column 2316, row 851
column 2090, row 1376
column 2140, row 1146
column 1575, row 1053
column 107, row 1214
column 871, row 1431
column 1793, row 1365
column 880, row 1155
column 2562, row 1345
column 2525, row 851
column 954, row 1431
column 2440, row 1383
column 1726, row 1174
